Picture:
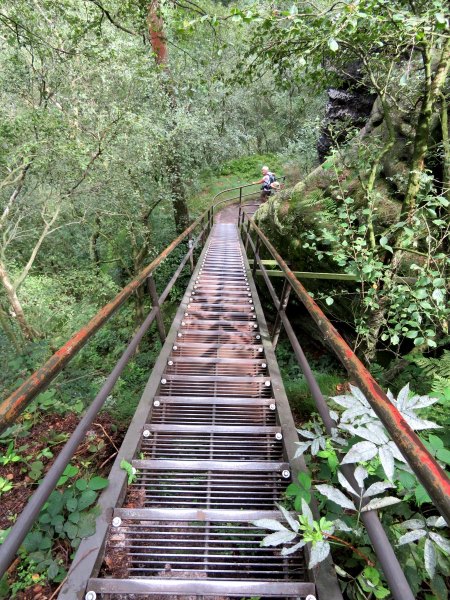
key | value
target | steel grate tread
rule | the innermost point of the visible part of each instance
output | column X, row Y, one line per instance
column 211, row 458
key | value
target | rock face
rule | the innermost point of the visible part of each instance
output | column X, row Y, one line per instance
column 348, row 106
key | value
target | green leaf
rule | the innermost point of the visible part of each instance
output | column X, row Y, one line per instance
column 333, row 45
column 71, row 530
column 444, row 455
column 87, row 498
column 436, row 442
column 81, row 484
column 305, row 480
column 421, row 495
column 98, row 483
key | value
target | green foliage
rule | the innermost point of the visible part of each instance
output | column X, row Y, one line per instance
column 130, row 471
column 435, row 370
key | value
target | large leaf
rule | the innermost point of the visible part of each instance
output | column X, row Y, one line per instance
column 272, row 524
column 413, row 524
column 290, row 549
column 345, row 484
column 378, row 488
column 360, row 452
column 319, row 552
column 377, row 503
column 293, row 523
column 387, row 461
column 279, row 537
column 360, row 475
column 335, row 496
column 411, row 536
column 442, row 542
column 430, row 558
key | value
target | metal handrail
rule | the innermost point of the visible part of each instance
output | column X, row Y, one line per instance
column 392, row 569
column 431, row 475
column 11, row 408
column 31, row 511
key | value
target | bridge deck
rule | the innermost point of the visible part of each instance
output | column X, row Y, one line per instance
column 212, row 455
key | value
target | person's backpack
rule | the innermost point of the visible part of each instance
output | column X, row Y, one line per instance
column 268, row 186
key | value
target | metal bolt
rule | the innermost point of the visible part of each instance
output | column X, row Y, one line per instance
column 263, row 365
column 255, row 325
column 253, row 316
column 310, row 597
column 258, row 337
column 175, row 347
column 249, row 294
column 186, row 314
column 278, row 436
column 193, row 293
column 286, row 474
column 272, row 406
column 180, row 335
column 170, row 363
column 260, row 349
column 183, row 322
column 252, row 308
column 267, row 383
column 146, row 433
column 163, row 381
column 116, row 522
column 90, row 596
column 156, row 403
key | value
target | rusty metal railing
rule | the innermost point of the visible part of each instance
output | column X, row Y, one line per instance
column 426, row 468
column 15, row 404
column 37, row 382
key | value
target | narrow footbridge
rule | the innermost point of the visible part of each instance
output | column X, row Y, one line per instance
column 212, row 443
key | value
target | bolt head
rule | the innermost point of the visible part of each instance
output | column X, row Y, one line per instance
column 180, row 335
column 286, row 474
column 163, row 381
column 249, row 294
column 186, row 314
column 272, row 406
column 267, row 383
column 156, row 403
column 258, row 337
column 183, row 322
column 90, row 596
column 255, row 325
column 310, row 597
column 116, row 522
column 146, row 433
column 175, row 347
column 279, row 435
column 170, row 363
column 263, row 365
column 260, row 349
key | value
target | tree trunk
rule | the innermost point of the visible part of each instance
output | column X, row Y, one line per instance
column 16, row 307
column 9, row 331
column 433, row 88
column 159, row 46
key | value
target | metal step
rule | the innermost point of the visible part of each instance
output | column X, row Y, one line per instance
column 211, row 457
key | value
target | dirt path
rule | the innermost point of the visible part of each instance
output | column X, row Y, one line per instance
column 229, row 214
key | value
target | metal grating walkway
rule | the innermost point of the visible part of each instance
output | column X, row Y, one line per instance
column 211, row 457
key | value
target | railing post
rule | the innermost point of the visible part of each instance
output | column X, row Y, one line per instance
column 190, row 246
column 247, row 236
column 155, row 301
column 256, row 256
column 284, row 299
column 240, row 206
